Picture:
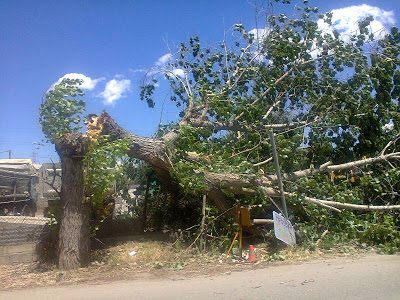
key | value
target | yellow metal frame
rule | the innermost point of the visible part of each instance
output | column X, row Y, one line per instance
column 242, row 216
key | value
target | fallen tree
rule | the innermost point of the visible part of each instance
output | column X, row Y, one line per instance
column 324, row 95
column 154, row 151
column 332, row 101
column 286, row 78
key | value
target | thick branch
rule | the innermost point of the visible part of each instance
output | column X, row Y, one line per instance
column 154, row 151
column 319, row 203
column 148, row 149
column 328, row 168
column 236, row 126
column 360, row 207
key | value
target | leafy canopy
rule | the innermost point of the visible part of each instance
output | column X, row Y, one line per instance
column 61, row 111
column 329, row 97
column 61, row 114
column 338, row 93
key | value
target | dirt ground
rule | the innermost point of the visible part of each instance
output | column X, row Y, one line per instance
column 146, row 259
column 369, row 276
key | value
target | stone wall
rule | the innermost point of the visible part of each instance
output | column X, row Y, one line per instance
column 20, row 237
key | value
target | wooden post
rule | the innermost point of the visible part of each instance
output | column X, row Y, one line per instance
column 278, row 172
column 240, row 235
column 203, row 222
column 146, row 200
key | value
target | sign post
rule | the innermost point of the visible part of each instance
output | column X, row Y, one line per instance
column 278, row 173
column 284, row 230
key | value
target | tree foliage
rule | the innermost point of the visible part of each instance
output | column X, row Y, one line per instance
column 332, row 101
column 61, row 111
column 105, row 173
column 329, row 98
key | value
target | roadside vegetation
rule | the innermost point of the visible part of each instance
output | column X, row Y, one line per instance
column 332, row 102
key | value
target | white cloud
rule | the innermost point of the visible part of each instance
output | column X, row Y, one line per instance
column 259, row 33
column 163, row 60
column 135, row 71
column 345, row 20
column 115, row 90
column 88, row 83
column 178, row 72
column 315, row 50
column 389, row 126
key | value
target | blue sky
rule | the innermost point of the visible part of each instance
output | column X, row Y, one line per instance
column 110, row 43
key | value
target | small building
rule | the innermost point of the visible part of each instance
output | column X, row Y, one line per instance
column 18, row 180
column 27, row 188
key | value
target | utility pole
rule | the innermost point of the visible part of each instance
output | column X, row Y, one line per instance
column 34, row 157
column 278, row 173
column 9, row 154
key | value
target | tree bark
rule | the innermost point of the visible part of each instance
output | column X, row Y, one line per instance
column 360, row 207
column 74, row 235
column 155, row 152
column 151, row 150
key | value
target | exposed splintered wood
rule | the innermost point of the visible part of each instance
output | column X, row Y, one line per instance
column 93, row 127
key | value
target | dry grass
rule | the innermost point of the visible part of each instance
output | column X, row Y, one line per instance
column 149, row 254
column 153, row 259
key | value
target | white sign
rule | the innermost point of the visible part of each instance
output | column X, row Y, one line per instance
column 284, row 230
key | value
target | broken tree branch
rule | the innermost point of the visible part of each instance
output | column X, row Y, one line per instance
column 361, row 207
column 319, row 203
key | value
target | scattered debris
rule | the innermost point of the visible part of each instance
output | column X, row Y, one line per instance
column 307, row 281
column 153, row 259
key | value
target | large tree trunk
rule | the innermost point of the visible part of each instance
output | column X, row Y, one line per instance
column 74, row 235
column 153, row 151
column 156, row 152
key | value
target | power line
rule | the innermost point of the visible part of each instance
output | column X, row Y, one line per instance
column 9, row 153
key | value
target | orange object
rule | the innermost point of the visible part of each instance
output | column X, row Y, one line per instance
column 252, row 255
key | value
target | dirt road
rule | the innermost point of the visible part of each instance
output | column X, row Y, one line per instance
column 369, row 277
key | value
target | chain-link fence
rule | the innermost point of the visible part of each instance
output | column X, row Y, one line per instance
column 15, row 230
